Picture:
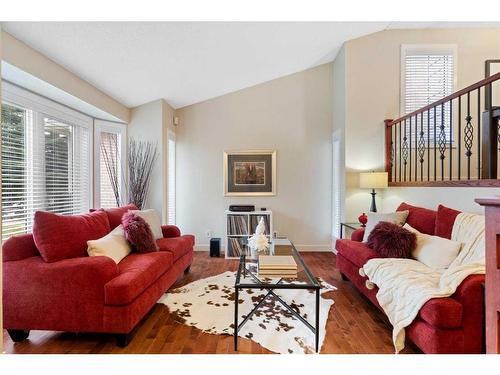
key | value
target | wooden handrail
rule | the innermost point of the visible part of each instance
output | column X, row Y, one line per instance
column 455, row 95
column 461, row 120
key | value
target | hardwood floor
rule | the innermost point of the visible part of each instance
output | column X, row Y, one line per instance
column 354, row 325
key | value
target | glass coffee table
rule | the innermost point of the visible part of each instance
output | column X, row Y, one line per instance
column 247, row 277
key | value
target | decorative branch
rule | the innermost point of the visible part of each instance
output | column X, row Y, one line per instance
column 109, row 150
column 141, row 159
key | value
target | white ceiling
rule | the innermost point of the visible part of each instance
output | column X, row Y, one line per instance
column 188, row 62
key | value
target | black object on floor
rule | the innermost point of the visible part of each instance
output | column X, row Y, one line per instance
column 215, row 247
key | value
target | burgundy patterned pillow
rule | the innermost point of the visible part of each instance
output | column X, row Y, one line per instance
column 138, row 233
column 391, row 240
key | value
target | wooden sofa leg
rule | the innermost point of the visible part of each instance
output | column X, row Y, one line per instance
column 187, row 269
column 18, row 335
column 123, row 339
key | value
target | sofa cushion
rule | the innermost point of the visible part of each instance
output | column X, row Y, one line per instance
column 422, row 219
column 138, row 233
column 60, row 237
column 356, row 252
column 434, row 251
column 136, row 273
column 398, row 217
column 114, row 245
column 445, row 219
column 358, row 234
column 115, row 214
column 442, row 313
column 178, row 246
column 391, row 240
column 152, row 217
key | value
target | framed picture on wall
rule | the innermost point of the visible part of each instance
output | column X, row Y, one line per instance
column 250, row 173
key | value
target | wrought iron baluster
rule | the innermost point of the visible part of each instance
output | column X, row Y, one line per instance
column 435, row 143
column 400, row 146
column 416, row 147
column 395, row 144
column 409, row 148
column 468, row 136
column 479, row 176
column 442, row 142
column 498, row 132
column 421, row 147
column 451, row 144
column 459, row 138
column 405, row 151
column 428, row 145
column 392, row 152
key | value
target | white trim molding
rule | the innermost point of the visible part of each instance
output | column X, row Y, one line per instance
column 300, row 248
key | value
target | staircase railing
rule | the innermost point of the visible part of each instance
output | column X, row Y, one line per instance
column 451, row 142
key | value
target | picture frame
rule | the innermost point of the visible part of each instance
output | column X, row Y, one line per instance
column 249, row 173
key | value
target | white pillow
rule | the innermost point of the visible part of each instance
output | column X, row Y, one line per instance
column 113, row 245
column 152, row 217
column 398, row 217
column 434, row 251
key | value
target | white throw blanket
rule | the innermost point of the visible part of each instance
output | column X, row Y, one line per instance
column 405, row 285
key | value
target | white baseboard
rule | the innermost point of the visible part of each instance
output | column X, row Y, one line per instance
column 304, row 248
column 204, row 248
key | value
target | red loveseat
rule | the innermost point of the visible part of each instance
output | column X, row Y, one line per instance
column 444, row 325
column 88, row 294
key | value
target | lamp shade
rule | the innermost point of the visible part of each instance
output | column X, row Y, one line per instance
column 373, row 180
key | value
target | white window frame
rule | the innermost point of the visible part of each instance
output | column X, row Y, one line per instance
column 116, row 128
column 424, row 49
column 171, row 135
column 17, row 96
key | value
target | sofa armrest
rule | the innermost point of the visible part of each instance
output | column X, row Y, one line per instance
column 33, row 282
column 358, row 234
column 170, row 231
column 470, row 291
column 19, row 247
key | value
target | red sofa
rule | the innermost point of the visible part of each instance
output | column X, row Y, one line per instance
column 443, row 325
column 88, row 294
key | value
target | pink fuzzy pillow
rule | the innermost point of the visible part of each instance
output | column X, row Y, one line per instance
column 138, row 233
column 392, row 241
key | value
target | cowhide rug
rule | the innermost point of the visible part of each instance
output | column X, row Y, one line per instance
column 208, row 304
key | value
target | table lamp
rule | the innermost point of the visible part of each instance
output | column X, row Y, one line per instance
column 373, row 180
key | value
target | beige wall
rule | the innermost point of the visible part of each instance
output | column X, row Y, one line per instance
column 292, row 115
column 149, row 122
column 339, row 114
column 27, row 59
column 372, row 75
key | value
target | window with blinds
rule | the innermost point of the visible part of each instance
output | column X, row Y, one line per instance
column 109, row 161
column 171, row 178
column 428, row 74
column 45, row 163
column 109, row 170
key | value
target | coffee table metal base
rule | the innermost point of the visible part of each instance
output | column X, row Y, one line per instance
column 270, row 293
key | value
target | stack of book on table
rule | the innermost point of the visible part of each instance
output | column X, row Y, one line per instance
column 277, row 266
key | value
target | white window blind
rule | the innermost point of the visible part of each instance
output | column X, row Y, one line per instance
column 171, row 178
column 45, row 163
column 428, row 74
column 109, row 169
column 109, row 163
